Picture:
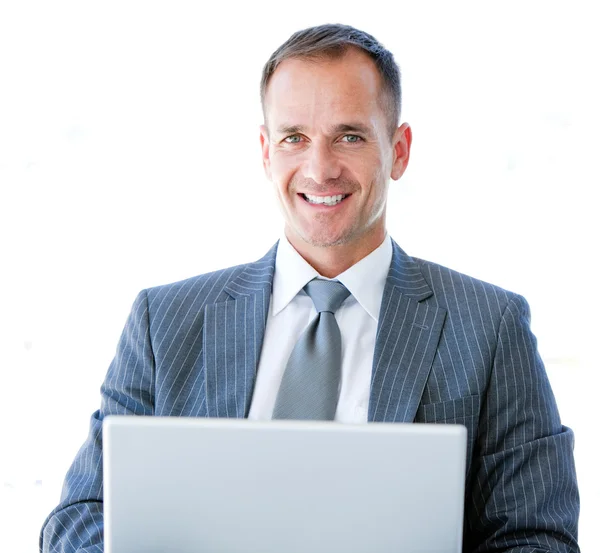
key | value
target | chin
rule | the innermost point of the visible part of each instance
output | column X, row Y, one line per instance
column 327, row 239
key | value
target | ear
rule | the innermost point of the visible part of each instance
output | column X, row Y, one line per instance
column 402, row 142
column 265, row 146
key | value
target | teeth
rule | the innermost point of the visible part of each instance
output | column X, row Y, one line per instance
column 327, row 200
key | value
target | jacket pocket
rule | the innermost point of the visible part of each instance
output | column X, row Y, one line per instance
column 457, row 410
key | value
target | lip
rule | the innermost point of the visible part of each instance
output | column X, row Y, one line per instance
column 324, row 207
column 332, row 193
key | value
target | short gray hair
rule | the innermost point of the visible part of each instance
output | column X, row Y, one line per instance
column 332, row 41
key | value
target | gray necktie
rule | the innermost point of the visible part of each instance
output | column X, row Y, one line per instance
column 310, row 385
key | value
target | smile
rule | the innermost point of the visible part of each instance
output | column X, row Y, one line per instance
column 324, row 200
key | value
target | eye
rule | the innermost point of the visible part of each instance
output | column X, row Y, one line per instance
column 293, row 139
column 352, row 138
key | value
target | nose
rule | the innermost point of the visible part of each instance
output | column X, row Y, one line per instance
column 321, row 163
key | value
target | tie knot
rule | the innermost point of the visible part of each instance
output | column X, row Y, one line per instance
column 327, row 295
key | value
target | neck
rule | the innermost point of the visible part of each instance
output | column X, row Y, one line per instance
column 331, row 261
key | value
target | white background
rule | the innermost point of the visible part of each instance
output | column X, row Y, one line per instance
column 129, row 157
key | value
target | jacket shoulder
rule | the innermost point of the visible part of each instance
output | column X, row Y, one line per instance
column 218, row 278
column 453, row 289
column 215, row 286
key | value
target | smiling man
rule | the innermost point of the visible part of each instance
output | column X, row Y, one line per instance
column 337, row 322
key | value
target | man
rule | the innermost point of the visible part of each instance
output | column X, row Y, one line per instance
column 417, row 342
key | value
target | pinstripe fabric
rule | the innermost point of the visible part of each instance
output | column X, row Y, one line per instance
column 449, row 349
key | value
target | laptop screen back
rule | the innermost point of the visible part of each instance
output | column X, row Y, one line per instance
column 237, row 486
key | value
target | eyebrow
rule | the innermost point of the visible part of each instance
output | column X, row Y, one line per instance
column 335, row 129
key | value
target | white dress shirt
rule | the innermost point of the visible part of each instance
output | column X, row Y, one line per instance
column 290, row 312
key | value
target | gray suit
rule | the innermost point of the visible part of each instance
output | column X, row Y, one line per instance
column 449, row 349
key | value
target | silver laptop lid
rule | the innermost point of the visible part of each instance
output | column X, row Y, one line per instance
column 238, row 486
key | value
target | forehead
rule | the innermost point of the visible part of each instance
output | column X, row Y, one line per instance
column 346, row 87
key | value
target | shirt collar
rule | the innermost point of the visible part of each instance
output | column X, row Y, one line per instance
column 292, row 273
column 365, row 279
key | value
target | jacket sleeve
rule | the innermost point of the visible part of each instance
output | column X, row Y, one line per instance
column 128, row 389
column 524, row 489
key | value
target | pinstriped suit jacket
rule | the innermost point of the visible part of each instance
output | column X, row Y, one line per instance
column 449, row 349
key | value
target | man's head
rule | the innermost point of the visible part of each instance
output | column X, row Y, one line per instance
column 331, row 102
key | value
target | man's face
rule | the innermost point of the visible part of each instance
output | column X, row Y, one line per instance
column 327, row 150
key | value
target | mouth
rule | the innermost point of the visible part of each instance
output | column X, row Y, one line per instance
column 328, row 201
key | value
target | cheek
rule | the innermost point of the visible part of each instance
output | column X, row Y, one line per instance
column 283, row 170
column 367, row 167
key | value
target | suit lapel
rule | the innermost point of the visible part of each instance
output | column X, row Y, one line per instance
column 407, row 338
column 233, row 335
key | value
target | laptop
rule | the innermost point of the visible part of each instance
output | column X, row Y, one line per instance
column 193, row 485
